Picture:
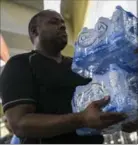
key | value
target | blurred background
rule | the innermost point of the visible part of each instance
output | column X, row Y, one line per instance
column 14, row 19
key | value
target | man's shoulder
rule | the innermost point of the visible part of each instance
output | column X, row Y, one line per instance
column 16, row 64
column 20, row 58
column 18, row 61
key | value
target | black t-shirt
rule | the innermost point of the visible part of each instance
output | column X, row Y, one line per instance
column 31, row 78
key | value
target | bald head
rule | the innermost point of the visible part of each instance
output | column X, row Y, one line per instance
column 49, row 28
column 37, row 20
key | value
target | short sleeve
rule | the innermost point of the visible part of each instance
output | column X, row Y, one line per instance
column 16, row 83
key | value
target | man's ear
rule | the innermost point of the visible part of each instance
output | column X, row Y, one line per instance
column 34, row 32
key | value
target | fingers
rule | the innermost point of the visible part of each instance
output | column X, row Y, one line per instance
column 113, row 116
column 109, row 119
column 103, row 102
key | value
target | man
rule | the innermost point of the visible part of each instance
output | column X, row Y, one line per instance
column 37, row 89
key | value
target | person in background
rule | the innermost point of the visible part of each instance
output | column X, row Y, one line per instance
column 4, row 57
column 37, row 88
column 4, row 51
column 7, row 138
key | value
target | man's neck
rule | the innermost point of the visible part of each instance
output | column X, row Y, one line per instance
column 56, row 57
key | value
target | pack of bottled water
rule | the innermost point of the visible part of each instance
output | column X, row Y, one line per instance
column 106, row 54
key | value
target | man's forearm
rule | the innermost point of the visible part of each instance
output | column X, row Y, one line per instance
column 38, row 125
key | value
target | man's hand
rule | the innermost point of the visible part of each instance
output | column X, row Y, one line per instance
column 95, row 118
column 24, row 122
column 130, row 127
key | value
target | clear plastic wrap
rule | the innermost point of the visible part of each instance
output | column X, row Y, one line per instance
column 106, row 54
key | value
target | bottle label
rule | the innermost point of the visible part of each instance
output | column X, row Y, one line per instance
column 87, row 38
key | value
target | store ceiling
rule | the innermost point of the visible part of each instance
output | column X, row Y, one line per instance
column 36, row 4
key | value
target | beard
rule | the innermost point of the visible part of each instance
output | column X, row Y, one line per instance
column 52, row 43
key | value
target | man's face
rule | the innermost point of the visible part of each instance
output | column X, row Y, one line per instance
column 52, row 31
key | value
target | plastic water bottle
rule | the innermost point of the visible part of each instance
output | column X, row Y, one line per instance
column 106, row 54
